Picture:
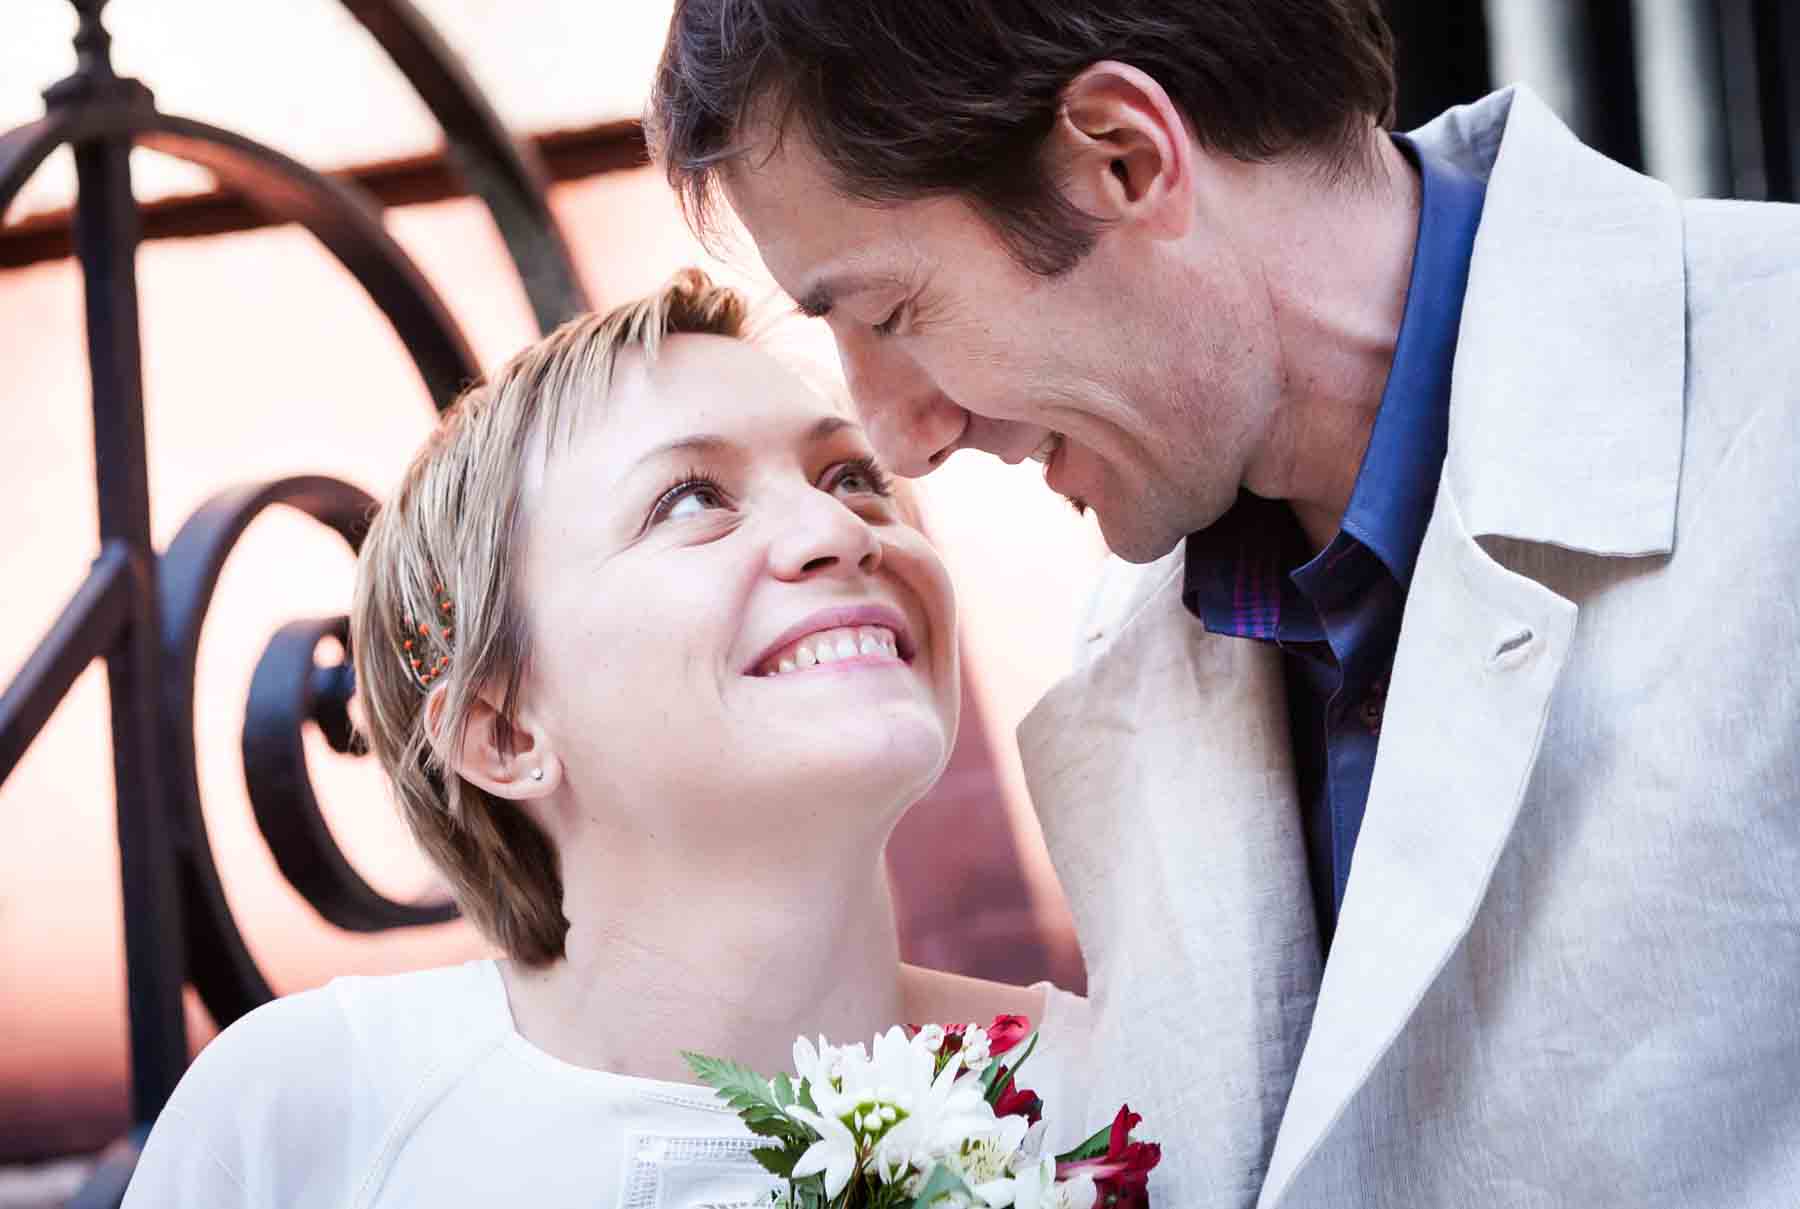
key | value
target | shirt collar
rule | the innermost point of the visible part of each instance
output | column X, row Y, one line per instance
column 1391, row 502
column 1235, row 579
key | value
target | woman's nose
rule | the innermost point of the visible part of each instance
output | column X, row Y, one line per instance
column 820, row 535
column 911, row 423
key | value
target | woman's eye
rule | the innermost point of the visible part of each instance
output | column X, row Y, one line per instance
column 860, row 477
column 691, row 497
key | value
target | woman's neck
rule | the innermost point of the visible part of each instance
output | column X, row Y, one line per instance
column 735, row 961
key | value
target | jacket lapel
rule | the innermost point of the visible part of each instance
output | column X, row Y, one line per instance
column 1479, row 654
column 1162, row 774
column 1565, row 428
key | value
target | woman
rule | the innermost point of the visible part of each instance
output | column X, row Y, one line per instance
column 655, row 664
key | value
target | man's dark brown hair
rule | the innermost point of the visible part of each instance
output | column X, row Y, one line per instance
column 905, row 99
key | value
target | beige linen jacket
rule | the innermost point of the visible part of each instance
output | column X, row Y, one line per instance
column 1568, row 966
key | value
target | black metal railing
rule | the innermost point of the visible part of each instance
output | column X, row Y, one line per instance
column 141, row 609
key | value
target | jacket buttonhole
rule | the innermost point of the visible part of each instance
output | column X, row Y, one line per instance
column 1512, row 649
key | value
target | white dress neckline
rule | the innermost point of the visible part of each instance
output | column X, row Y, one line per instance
column 694, row 1094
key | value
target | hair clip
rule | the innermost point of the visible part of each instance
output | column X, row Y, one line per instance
column 415, row 651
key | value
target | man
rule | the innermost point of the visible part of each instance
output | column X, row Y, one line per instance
column 1429, row 796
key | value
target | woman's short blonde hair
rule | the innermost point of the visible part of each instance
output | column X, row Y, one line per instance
column 436, row 611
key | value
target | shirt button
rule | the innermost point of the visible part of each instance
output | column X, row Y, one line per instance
column 1370, row 711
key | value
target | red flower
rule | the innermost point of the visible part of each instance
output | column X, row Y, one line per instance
column 1122, row 1174
column 1006, row 1032
column 1017, row 1102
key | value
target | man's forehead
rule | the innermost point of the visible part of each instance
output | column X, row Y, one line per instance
column 805, row 227
column 777, row 170
column 823, row 244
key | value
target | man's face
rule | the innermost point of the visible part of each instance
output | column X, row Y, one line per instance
column 1143, row 377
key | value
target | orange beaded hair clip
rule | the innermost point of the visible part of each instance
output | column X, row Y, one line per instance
column 415, row 646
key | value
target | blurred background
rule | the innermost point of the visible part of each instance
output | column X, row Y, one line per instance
column 262, row 357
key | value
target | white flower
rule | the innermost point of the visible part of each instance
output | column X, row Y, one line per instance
column 887, row 1112
column 834, row 1153
column 931, row 1037
column 976, row 1049
column 991, row 1158
column 1034, row 1186
column 813, row 1065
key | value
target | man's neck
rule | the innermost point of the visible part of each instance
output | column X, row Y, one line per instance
column 735, row 960
column 1338, row 263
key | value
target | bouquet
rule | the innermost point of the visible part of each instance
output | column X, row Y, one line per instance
column 926, row 1118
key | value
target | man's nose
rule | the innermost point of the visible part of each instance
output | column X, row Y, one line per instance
column 912, row 424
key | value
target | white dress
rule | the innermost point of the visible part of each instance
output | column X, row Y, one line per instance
column 416, row 1090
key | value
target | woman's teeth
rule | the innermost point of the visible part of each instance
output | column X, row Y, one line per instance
column 1043, row 453
column 829, row 646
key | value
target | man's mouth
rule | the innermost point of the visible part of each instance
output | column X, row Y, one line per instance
column 1045, row 455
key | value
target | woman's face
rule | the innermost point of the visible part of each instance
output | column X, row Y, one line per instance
column 736, row 634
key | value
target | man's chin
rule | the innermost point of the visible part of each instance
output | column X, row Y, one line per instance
column 1136, row 543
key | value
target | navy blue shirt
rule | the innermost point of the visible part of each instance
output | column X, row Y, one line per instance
column 1336, row 615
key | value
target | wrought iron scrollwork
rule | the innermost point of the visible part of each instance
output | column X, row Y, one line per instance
column 503, row 171
column 286, row 691
column 346, row 222
column 143, row 612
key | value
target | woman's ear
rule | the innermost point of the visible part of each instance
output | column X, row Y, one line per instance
column 1122, row 151
column 523, row 769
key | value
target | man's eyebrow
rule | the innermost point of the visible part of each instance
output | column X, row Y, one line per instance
column 817, row 302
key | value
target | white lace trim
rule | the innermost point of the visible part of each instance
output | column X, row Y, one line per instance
column 652, row 1154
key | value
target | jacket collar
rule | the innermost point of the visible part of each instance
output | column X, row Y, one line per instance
column 1566, row 399
column 1565, row 428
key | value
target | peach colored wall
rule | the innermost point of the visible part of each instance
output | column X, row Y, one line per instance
column 262, row 358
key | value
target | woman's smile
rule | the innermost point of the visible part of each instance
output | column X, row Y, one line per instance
column 864, row 635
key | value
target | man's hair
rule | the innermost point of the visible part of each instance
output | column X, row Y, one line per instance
column 920, row 98
column 452, row 532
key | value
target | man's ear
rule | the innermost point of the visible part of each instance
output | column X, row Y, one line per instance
column 1122, row 151
column 524, row 769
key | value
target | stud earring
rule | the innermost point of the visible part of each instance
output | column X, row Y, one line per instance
column 537, row 774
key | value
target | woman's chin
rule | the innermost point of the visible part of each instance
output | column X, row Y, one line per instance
column 889, row 757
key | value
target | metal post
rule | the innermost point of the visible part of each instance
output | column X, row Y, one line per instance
column 106, row 238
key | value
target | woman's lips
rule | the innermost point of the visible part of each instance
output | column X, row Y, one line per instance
column 882, row 627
